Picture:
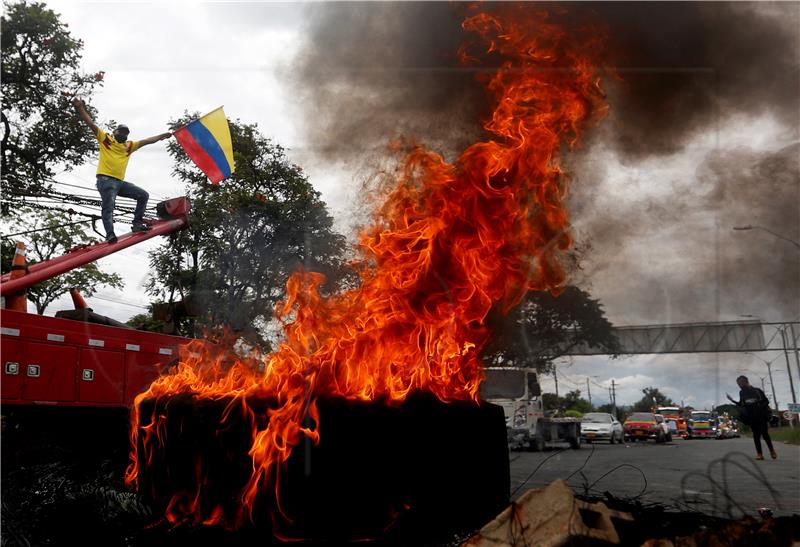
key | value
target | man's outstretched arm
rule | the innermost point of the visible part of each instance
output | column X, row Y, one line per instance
column 731, row 399
column 84, row 115
column 156, row 138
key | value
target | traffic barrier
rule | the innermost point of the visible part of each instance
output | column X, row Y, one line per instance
column 19, row 268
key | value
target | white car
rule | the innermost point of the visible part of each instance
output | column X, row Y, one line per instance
column 599, row 426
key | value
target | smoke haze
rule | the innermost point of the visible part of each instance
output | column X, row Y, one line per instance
column 701, row 135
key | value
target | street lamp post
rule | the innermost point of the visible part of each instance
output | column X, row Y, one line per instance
column 772, row 385
column 788, row 368
column 794, row 346
column 769, row 373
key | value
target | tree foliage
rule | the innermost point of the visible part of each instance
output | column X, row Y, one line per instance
column 146, row 322
column 58, row 236
column 652, row 397
column 40, row 131
column 246, row 236
column 572, row 401
column 546, row 326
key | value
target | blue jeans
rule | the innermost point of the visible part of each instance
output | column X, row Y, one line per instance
column 109, row 189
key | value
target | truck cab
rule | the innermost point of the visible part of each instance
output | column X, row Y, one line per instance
column 675, row 422
column 517, row 391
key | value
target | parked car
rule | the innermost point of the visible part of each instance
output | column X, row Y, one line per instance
column 647, row 425
column 599, row 426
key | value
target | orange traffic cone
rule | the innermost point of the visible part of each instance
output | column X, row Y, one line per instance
column 77, row 299
column 19, row 268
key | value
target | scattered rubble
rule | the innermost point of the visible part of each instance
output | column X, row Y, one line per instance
column 550, row 517
column 554, row 517
column 745, row 532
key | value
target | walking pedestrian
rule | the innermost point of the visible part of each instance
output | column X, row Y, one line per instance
column 115, row 151
column 755, row 412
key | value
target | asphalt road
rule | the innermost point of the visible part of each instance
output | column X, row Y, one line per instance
column 718, row 477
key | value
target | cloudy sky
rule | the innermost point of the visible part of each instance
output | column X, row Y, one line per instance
column 703, row 134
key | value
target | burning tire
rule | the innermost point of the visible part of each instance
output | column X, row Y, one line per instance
column 334, row 495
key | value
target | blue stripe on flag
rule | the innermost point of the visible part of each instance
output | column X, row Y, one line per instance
column 207, row 141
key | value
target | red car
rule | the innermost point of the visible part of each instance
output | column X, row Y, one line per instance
column 646, row 425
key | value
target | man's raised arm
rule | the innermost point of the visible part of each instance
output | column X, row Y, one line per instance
column 84, row 115
column 731, row 399
column 156, row 138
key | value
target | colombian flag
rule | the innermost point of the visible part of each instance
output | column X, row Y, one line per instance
column 207, row 142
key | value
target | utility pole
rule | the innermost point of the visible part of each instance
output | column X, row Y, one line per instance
column 794, row 345
column 771, row 383
column 589, row 392
column 614, row 396
column 788, row 369
column 555, row 377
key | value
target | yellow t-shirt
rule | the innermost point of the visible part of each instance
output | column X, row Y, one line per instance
column 113, row 155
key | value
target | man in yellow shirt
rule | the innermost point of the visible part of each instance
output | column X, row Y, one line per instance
column 115, row 150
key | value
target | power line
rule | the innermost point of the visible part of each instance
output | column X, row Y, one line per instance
column 115, row 301
column 85, row 201
column 569, row 380
column 598, row 385
column 76, row 177
column 72, row 185
column 88, row 187
column 48, row 228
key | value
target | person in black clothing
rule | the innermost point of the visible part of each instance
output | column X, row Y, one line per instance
column 755, row 412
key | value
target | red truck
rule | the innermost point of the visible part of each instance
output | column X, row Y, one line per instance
column 69, row 360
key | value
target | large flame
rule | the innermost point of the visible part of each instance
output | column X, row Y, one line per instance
column 450, row 242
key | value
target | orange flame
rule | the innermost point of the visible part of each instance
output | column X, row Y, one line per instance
column 449, row 243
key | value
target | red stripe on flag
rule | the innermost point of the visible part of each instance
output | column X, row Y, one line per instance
column 198, row 155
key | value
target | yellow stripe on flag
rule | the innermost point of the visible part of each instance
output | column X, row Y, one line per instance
column 217, row 125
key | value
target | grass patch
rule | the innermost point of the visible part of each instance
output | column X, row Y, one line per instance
column 783, row 434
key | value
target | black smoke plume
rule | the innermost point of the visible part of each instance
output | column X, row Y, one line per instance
column 373, row 71
column 673, row 72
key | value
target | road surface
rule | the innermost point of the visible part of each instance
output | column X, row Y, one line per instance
column 718, row 477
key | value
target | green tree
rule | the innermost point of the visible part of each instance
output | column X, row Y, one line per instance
column 145, row 321
column 572, row 401
column 652, row 397
column 551, row 401
column 246, row 236
column 56, row 233
column 546, row 326
column 40, row 131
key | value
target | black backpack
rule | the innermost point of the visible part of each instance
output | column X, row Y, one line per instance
column 756, row 413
